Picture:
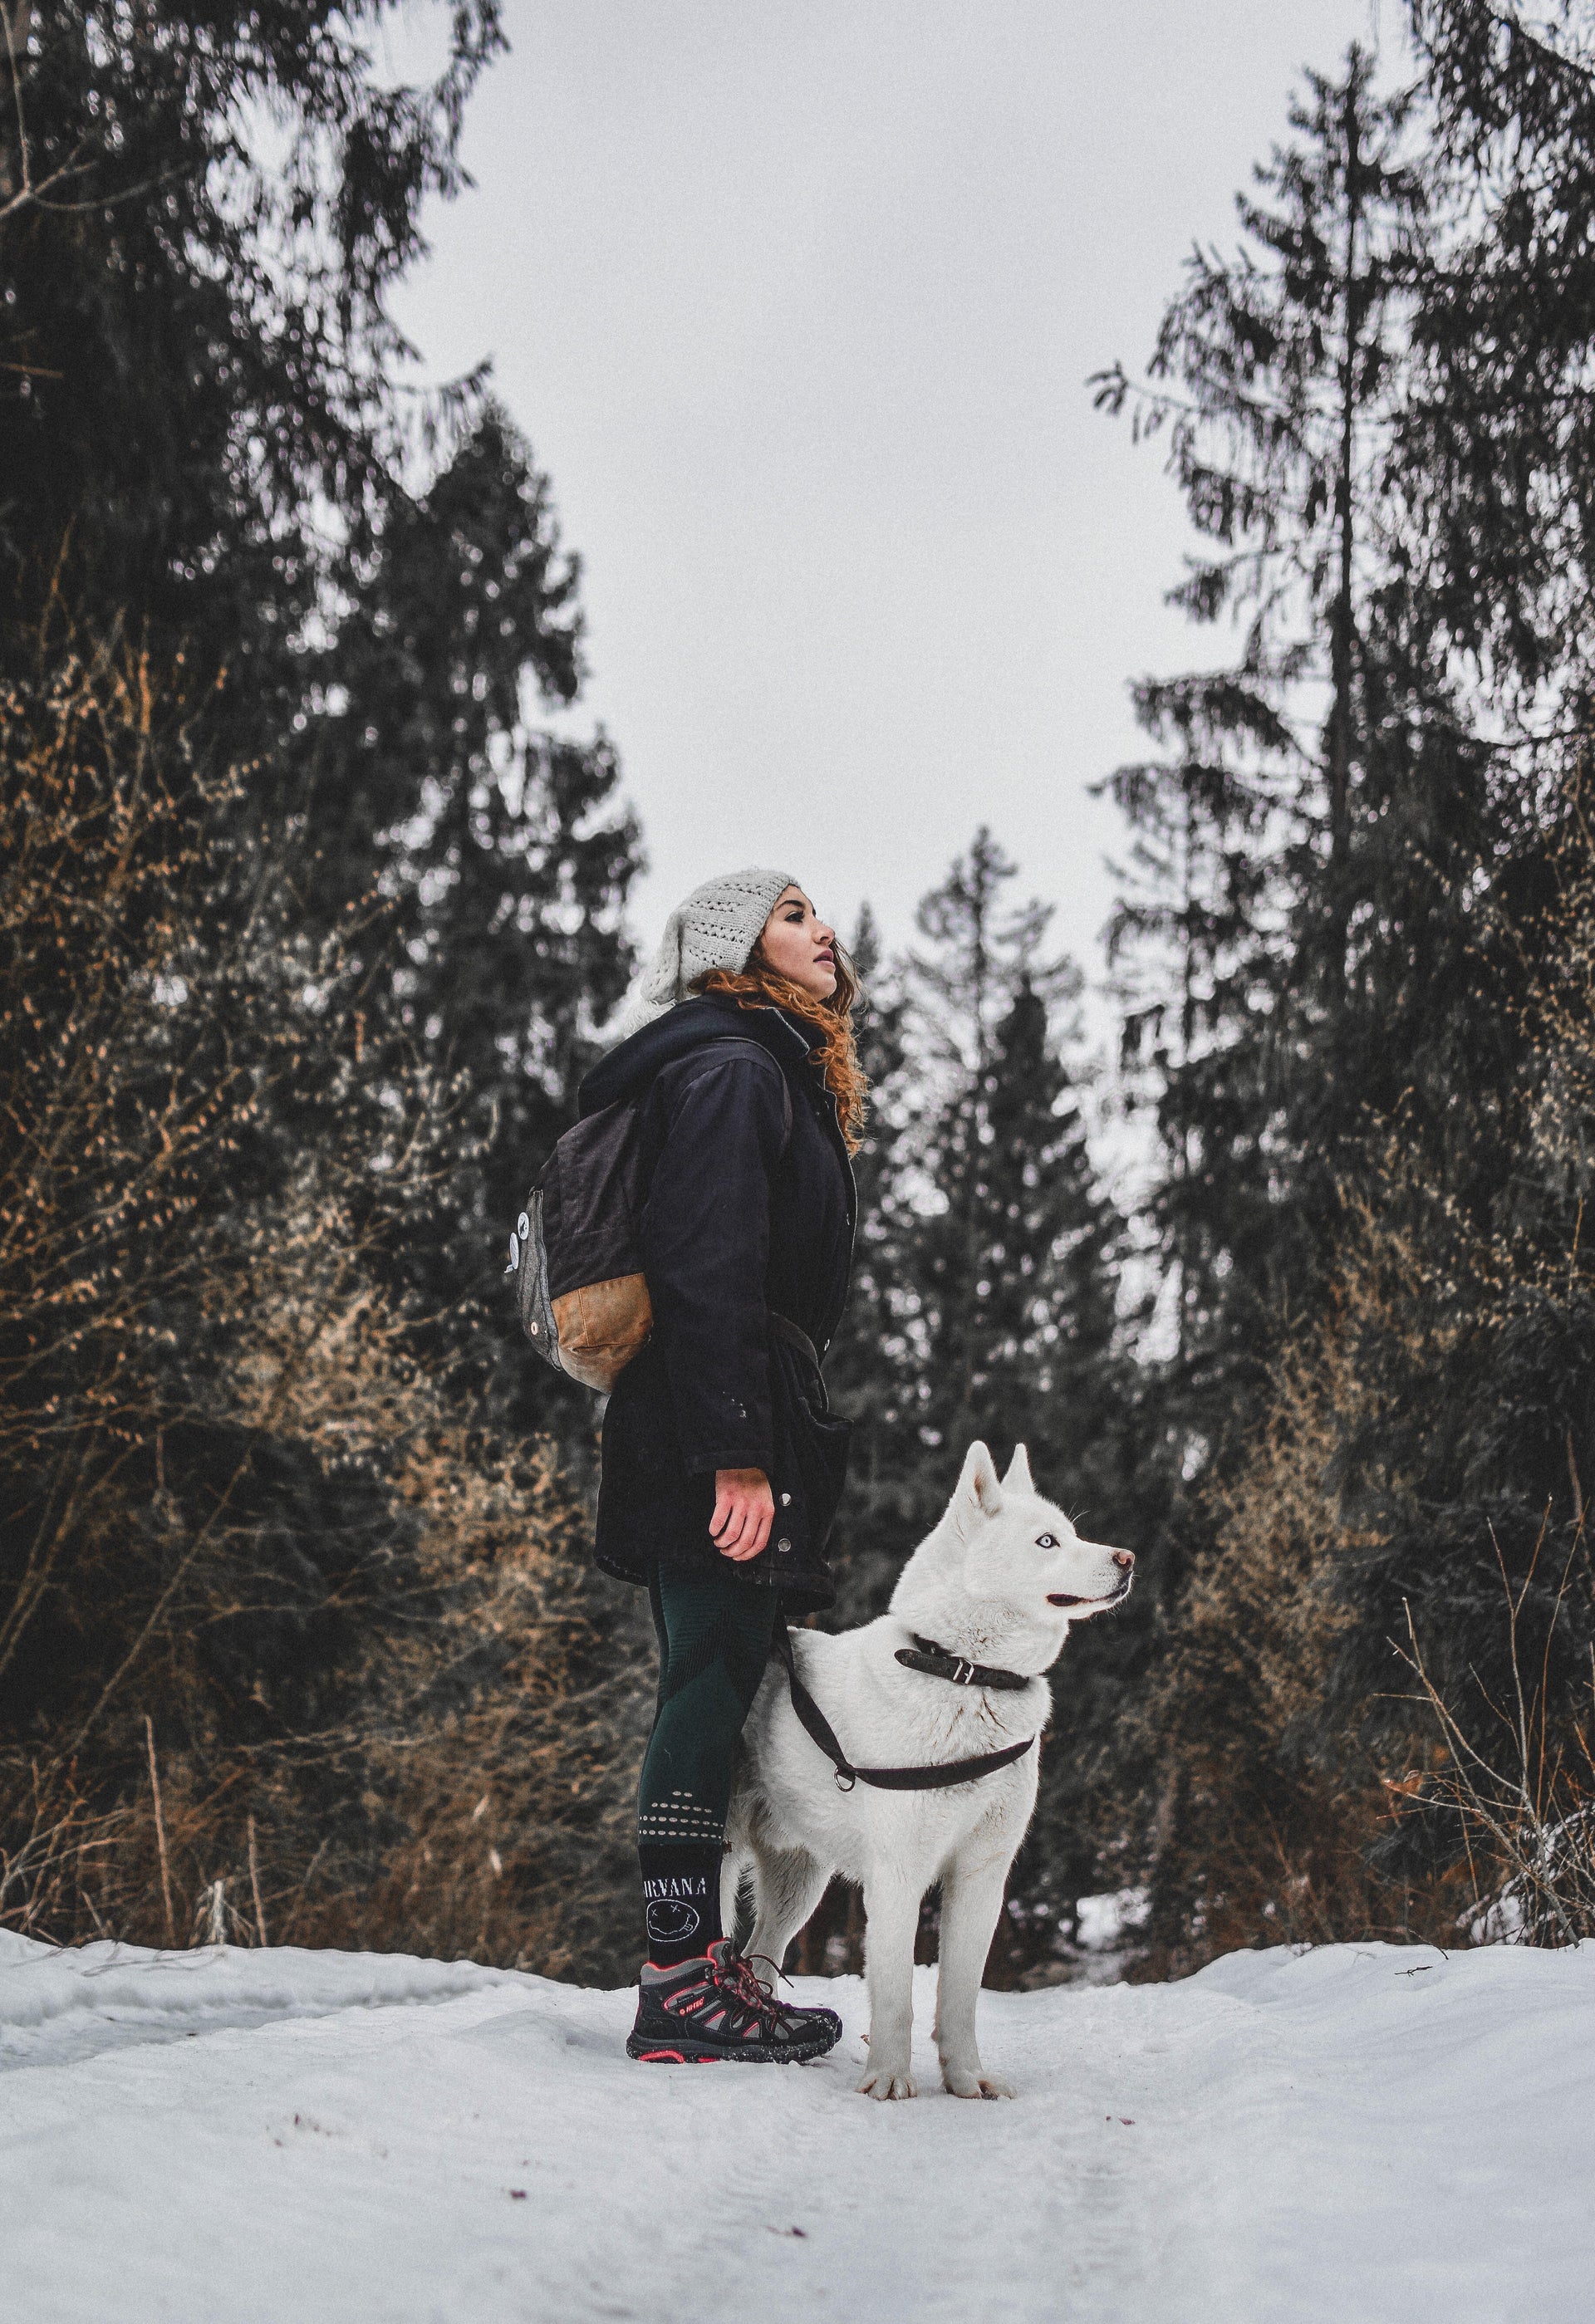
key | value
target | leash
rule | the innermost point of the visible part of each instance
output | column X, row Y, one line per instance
column 938, row 1778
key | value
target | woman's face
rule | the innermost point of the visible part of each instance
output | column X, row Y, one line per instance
column 800, row 946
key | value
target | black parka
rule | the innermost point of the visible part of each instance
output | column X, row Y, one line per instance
column 751, row 1210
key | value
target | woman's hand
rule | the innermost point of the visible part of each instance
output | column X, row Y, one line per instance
column 744, row 1510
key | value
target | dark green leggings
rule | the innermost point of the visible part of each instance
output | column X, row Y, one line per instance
column 714, row 1634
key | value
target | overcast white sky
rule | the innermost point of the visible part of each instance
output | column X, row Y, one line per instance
column 796, row 300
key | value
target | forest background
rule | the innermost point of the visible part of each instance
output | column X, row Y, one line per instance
column 309, row 924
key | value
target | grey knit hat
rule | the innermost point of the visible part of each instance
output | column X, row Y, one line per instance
column 716, row 928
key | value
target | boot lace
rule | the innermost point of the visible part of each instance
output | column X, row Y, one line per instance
column 762, row 1997
column 730, row 1997
column 752, row 1990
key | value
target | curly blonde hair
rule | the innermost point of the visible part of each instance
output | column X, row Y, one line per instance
column 759, row 985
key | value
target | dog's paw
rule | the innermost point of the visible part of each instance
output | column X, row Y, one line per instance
column 881, row 2082
column 963, row 2084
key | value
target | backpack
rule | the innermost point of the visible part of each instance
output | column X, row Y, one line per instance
column 580, row 1291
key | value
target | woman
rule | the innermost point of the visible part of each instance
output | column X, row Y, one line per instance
column 723, row 1464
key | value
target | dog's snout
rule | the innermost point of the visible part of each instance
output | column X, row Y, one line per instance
column 1124, row 1558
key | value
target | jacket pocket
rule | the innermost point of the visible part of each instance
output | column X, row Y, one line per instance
column 812, row 1447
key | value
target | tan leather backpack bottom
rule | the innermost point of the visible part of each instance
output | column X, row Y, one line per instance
column 601, row 1327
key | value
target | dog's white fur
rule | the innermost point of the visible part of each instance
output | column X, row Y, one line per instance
column 979, row 1585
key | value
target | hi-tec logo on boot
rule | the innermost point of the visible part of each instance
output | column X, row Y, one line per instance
column 672, row 1907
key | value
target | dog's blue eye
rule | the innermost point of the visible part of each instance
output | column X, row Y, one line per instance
column 1046, row 1541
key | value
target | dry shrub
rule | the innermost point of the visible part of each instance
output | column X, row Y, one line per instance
column 1307, row 1790
column 502, row 1778
column 1267, row 1812
column 290, row 1646
column 476, row 1800
column 1408, row 1504
column 1518, row 1777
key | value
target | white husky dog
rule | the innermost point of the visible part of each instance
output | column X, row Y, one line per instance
column 998, row 1583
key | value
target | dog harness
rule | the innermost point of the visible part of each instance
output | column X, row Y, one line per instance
column 936, row 1661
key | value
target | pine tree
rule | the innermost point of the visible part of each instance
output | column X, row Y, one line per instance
column 1325, row 925
column 869, row 1369
column 202, row 219
column 365, row 589
column 283, row 1084
column 1253, row 838
column 1014, row 1259
column 986, row 1303
column 502, row 852
column 1496, row 449
column 1051, row 1252
column 990, row 1254
column 1379, row 1248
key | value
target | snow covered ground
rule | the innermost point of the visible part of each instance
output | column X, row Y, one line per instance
column 1356, row 2133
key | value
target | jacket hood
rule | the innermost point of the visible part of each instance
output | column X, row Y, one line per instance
column 632, row 1065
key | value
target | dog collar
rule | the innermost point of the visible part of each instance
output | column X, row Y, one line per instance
column 935, row 1662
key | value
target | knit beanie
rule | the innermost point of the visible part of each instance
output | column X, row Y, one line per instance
column 716, row 928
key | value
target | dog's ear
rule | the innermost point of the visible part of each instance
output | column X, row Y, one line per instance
column 978, row 1493
column 1018, row 1479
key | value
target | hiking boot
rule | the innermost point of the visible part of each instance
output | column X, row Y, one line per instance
column 716, row 2007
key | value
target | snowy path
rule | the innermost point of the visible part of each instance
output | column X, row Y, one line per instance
column 1358, row 2134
